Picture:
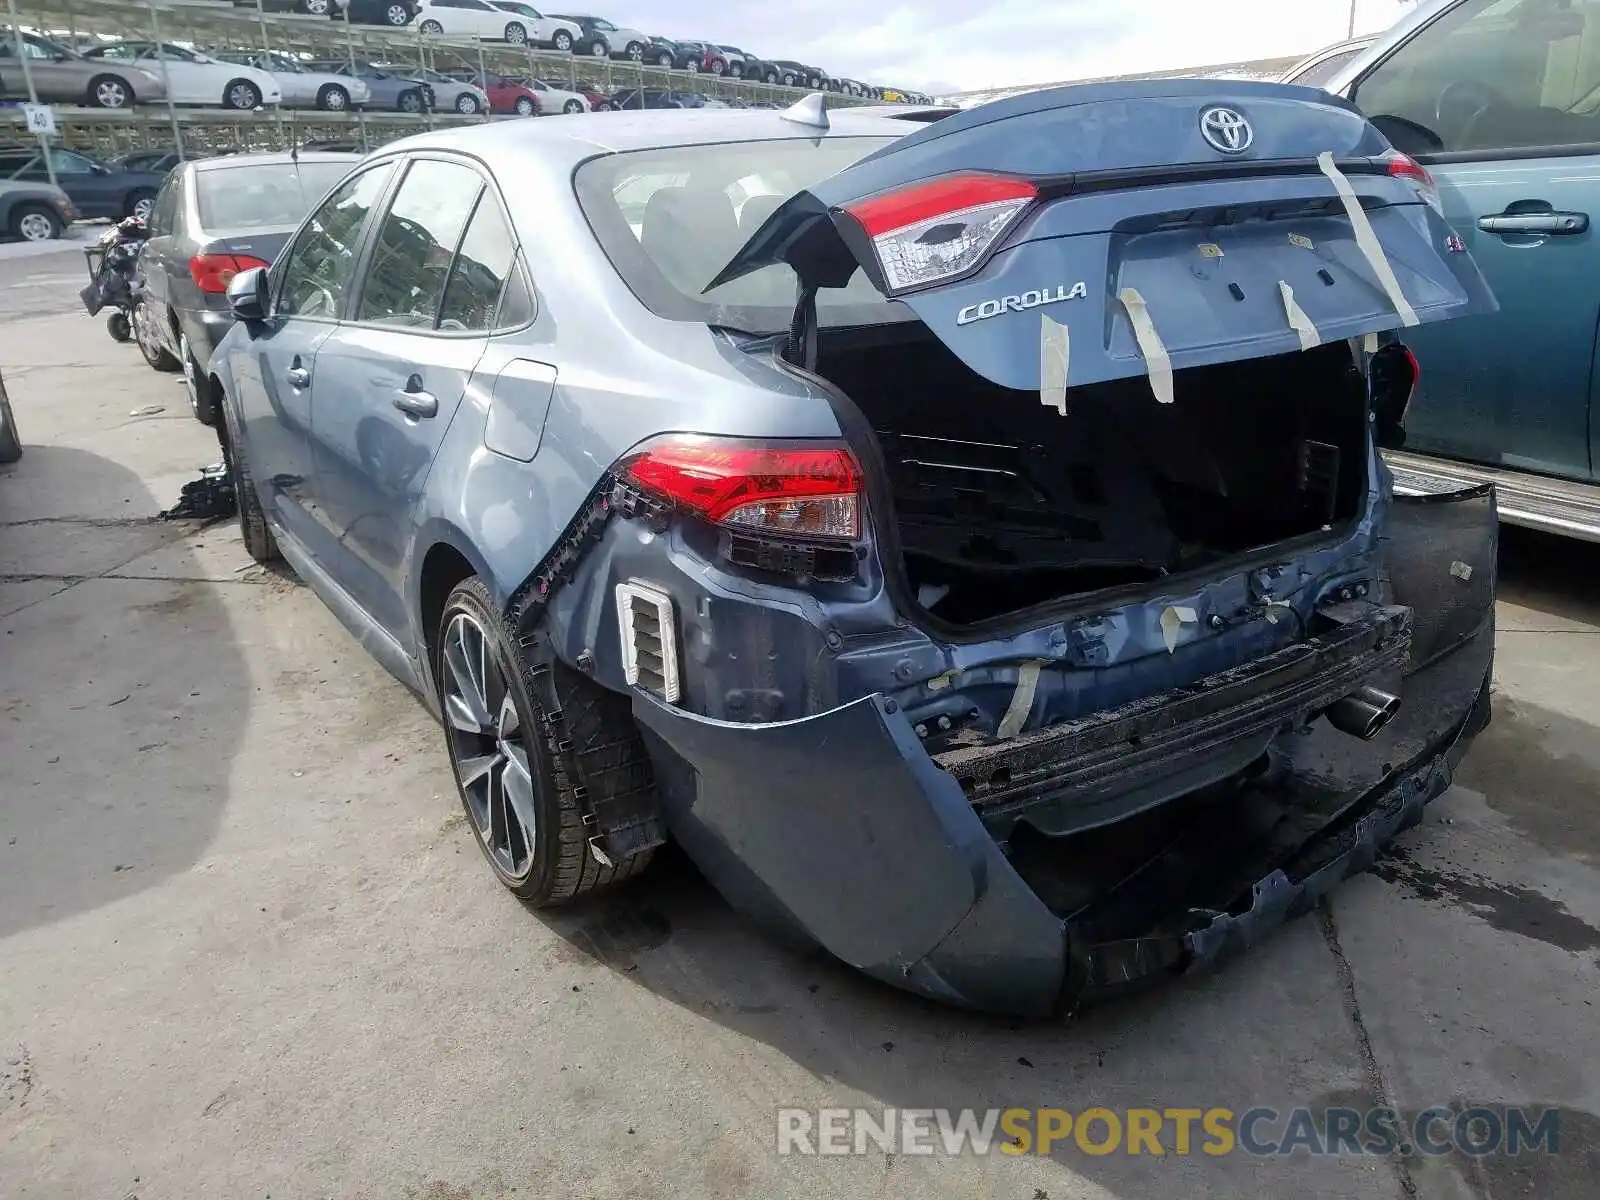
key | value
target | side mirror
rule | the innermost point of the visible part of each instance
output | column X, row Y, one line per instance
column 247, row 295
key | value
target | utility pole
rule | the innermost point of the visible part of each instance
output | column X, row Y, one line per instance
column 1352, row 32
column 33, row 94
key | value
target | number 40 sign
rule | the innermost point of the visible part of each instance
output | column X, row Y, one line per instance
column 41, row 118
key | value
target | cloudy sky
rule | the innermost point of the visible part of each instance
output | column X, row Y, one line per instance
column 950, row 45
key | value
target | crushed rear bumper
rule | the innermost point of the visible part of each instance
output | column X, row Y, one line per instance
column 842, row 830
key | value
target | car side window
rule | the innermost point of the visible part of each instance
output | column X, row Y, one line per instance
column 485, row 262
column 163, row 214
column 1492, row 75
column 1318, row 73
column 321, row 264
column 416, row 244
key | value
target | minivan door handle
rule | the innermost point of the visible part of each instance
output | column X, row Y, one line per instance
column 298, row 376
column 415, row 402
column 1551, row 224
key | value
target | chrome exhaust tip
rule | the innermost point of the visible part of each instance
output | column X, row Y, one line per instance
column 1364, row 713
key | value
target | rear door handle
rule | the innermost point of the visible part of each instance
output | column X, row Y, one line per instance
column 415, row 402
column 299, row 377
column 1557, row 224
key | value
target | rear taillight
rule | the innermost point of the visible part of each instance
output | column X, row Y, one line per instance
column 941, row 229
column 1392, row 378
column 810, row 491
column 1403, row 166
column 212, row 272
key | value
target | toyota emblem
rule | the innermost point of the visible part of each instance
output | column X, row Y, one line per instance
column 1226, row 130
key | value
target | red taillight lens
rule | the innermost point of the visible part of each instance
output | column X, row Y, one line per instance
column 933, row 231
column 212, row 272
column 1402, row 166
column 805, row 491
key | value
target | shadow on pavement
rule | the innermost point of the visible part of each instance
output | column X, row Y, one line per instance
column 121, row 699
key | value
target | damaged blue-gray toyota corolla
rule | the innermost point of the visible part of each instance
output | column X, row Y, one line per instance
column 965, row 535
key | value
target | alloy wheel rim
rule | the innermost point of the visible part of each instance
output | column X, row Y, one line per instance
column 398, row 14
column 336, row 101
column 36, row 227
column 241, row 96
column 598, row 50
column 488, row 748
column 143, row 207
column 466, row 104
column 110, row 94
column 516, row 35
column 562, row 42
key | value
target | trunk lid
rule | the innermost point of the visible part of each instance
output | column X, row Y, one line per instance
column 1154, row 226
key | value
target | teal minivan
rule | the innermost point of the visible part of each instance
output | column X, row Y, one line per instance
column 1500, row 100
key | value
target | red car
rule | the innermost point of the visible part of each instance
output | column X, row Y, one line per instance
column 508, row 95
column 598, row 101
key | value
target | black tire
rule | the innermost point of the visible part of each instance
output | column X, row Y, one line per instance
column 516, row 33
column 588, row 742
column 431, row 27
column 467, row 105
column 10, row 442
column 241, row 95
column 157, row 355
column 562, row 41
column 635, row 51
column 119, row 327
column 397, row 15
column 202, row 398
column 524, row 106
column 572, row 106
column 598, row 49
column 36, row 223
column 772, row 77
column 788, row 80
column 259, row 543
column 105, row 90
column 410, row 101
column 135, row 200
column 333, row 98
column 664, row 60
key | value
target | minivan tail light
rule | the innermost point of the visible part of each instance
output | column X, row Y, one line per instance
column 939, row 229
column 803, row 491
column 213, row 272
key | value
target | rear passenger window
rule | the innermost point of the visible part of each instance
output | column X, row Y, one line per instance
column 417, row 243
column 1492, row 75
column 320, row 265
column 486, row 260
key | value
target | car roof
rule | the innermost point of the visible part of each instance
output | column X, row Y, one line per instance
column 271, row 158
column 575, row 138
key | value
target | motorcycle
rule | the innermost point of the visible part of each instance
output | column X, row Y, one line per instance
column 113, row 261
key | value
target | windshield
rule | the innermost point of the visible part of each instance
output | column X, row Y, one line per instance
column 671, row 219
column 264, row 195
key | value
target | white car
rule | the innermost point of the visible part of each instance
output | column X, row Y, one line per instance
column 303, row 87
column 195, row 78
column 550, row 32
column 473, row 19
column 558, row 100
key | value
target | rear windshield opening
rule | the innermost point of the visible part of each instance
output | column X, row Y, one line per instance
column 263, row 195
column 671, row 219
column 1003, row 504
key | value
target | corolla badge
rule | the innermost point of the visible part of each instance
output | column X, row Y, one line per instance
column 1226, row 130
column 1034, row 298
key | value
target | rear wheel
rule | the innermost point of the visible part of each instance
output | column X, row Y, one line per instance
column 36, row 223
column 258, row 540
column 139, row 203
column 197, row 383
column 144, row 332
column 108, row 91
column 333, row 98
column 522, row 770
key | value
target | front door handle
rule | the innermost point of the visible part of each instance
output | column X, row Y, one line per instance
column 1556, row 224
column 415, row 402
column 298, row 377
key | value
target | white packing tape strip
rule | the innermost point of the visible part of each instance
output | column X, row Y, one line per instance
column 1055, row 351
column 1021, row 702
column 1156, row 361
column 1370, row 343
column 1298, row 321
column 1367, row 240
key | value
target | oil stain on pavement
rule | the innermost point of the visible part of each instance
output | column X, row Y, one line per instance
column 1507, row 907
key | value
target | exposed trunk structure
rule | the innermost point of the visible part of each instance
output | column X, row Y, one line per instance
column 1003, row 503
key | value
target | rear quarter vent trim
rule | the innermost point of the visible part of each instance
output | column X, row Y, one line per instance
column 649, row 637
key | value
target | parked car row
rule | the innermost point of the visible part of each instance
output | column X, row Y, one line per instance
column 520, row 24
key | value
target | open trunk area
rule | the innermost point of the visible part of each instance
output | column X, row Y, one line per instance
column 1003, row 503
